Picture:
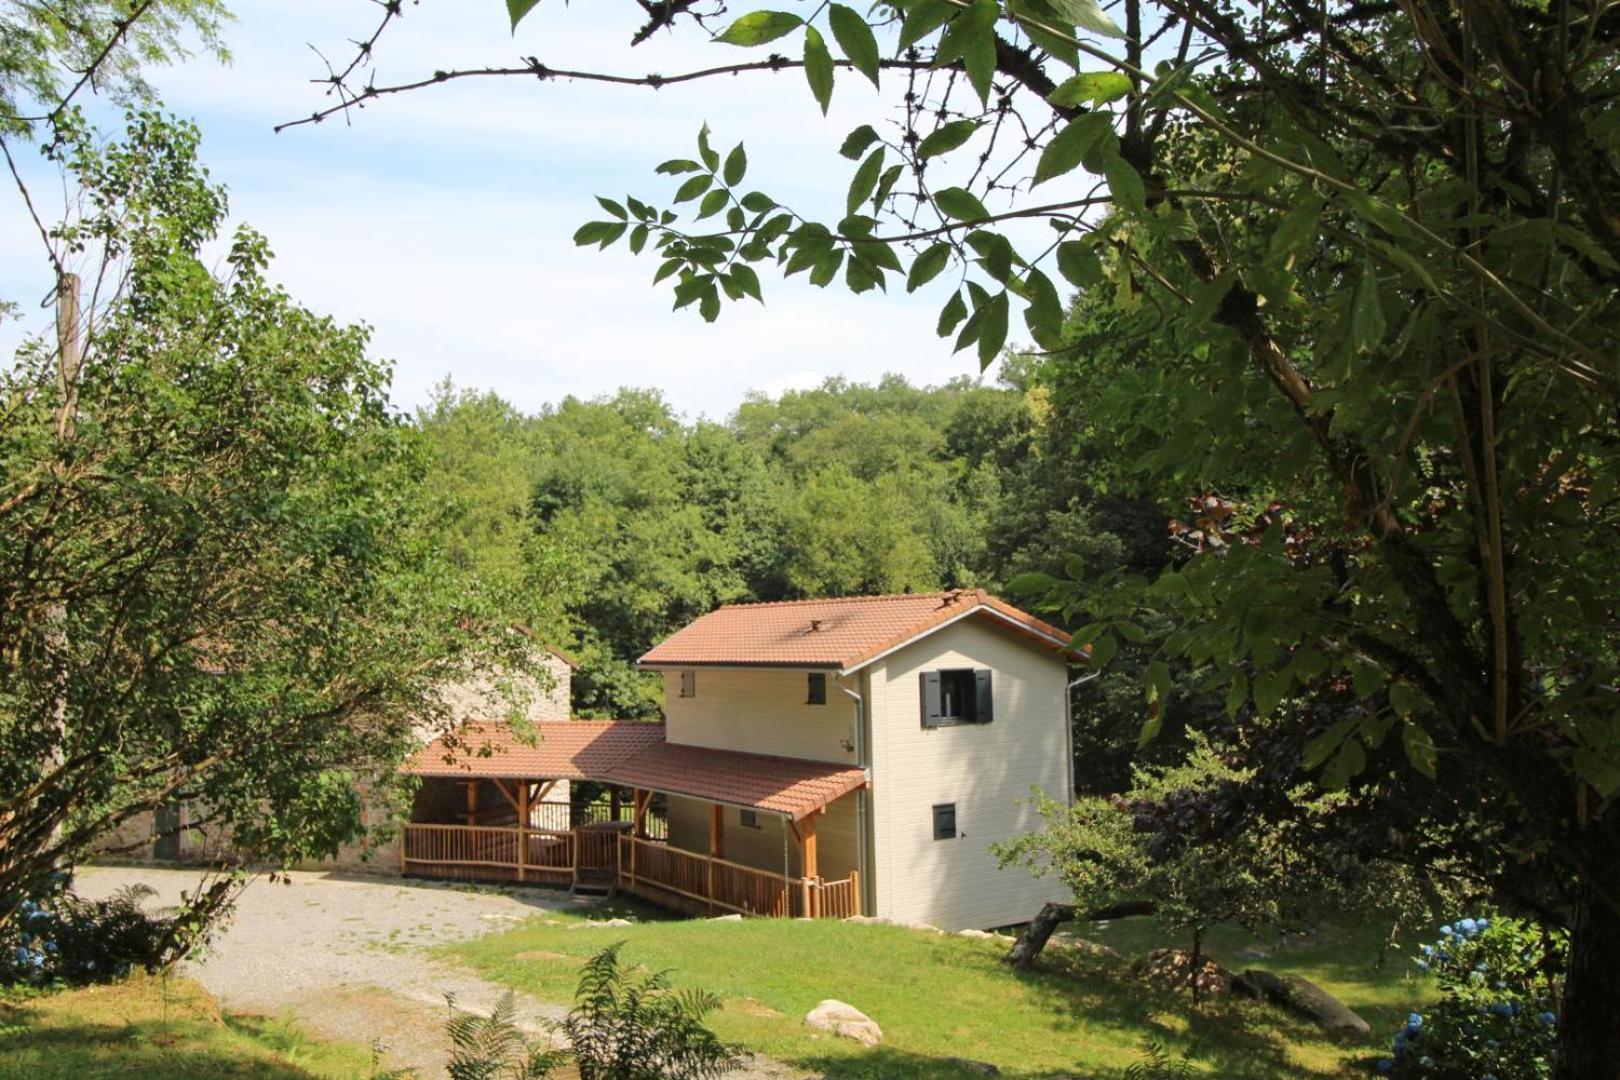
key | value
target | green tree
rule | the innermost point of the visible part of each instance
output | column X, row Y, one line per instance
column 221, row 580
column 1369, row 255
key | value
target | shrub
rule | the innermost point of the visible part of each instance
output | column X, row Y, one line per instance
column 1497, row 1015
column 63, row 938
column 624, row 1028
column 492, row 1048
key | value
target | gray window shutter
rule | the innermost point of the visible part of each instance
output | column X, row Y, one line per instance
column 930, row 699
column 984, row 700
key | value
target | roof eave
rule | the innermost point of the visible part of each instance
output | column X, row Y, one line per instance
column 1059, row 643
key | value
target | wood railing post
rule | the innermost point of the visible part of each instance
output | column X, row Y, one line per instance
column 855, row 893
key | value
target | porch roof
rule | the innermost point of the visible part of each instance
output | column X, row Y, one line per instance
column 566, row 750
column 793, row 787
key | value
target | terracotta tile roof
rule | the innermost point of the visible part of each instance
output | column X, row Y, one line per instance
column 566, row 750
column 776, row 785
column 842, row 633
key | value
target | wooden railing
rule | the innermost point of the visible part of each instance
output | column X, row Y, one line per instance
column 684, row 879
column 708, row 884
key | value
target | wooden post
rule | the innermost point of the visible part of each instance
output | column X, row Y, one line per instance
column 472, row 802
column 807, row 859
column 855, row 893
column 643, row 800
column 523, row 828
column 717, row 847
column 613, row 803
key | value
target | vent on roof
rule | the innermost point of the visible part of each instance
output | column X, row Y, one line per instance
column 815, row 624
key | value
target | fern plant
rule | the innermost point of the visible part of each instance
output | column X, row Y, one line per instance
column 494, row 1048
column 1159, row 1064
column 628, row 1028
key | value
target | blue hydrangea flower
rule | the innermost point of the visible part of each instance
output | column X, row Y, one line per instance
column 1445, row 931
column 1386, row 1065
column 1423, row 965
column 1426, row 1061
column 1468, row 926
column 1502, row 1008
column 1414, row 1020
column 1548, row 1018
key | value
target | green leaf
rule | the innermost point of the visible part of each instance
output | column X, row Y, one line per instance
column 714, row 202
column 1103, row 649
column 992, row 329
column 756, row 202
column 954, row 311
column 922, row 19
column 1420, row 749
column 1237, row 695
column 856, row 142
column 590, row 233
column 1150, row 728
column 927, row 266
column 1347, row 763
column 1031, row 584
column 711, row 160
column 971, row 38
column 747, row 280
column 1125, row 184
column 865, row 180
column 856, row 39
column 736, row 165
column 1601, row 772
column 1158, row 683
column 947, row 137
column 693, row 187
column 676, row 166
column 818, row 67
column 758, row 27
column 1078, row 138
column 1088, row 15
column 668, row 268
column 1406, row 700
column 1320, row 748
column 1090, row 88
column 1367, row 677
column 1297, row 227
column 1078, row 263
column 638, row 238
column 961, row 204
column 1269, row 690
column 612, row 207
column 517, row 9
column 1366, row 310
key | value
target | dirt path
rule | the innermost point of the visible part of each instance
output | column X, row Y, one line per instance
column 346, row 953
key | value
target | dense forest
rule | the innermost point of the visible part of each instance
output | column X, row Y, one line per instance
column 614, row 521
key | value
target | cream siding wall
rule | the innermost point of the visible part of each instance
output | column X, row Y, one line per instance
column 986, row 770
column 836, row 848
column 761, row 711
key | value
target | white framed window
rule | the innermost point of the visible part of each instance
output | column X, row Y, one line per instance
column 688, row 684
column 816, row 688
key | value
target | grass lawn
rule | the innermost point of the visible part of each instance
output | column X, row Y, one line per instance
column 943, row 996
column 157, row 1028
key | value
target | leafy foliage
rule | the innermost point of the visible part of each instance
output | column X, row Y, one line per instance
column 493, row 1047
column 626, row 1027
column 221, row 579
column 1497, row 1012
column 60, row 938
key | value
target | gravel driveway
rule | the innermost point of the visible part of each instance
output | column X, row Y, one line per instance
column 346, row 953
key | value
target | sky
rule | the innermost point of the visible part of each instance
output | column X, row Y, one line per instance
column 443, row 218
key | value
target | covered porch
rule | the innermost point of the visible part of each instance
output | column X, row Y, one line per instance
column 694, row 829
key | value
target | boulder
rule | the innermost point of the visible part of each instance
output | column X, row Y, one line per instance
column 1172, row 968
column 590, row 924
column 845, row 1021
column 1303, row 998
column 727, row 918
column 975, row 934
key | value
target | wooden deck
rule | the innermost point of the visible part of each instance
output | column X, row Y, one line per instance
column 685, row 881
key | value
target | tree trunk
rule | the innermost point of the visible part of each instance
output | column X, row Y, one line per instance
column 1589, row 1027
column 1038, row 931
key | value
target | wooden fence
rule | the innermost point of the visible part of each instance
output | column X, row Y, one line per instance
column 686, row 880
